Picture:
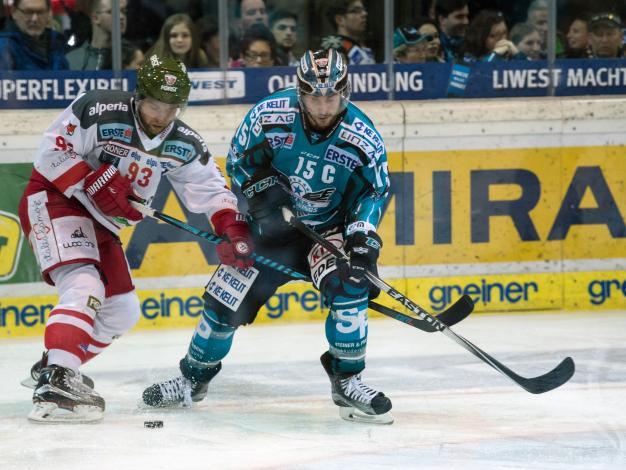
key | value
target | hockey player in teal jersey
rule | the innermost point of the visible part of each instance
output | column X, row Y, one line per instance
column 310, row 149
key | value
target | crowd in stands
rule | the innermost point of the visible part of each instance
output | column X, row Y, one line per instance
column 77, row 34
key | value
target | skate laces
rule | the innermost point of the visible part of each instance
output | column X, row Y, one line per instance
column 354, row 389
column 178, row 389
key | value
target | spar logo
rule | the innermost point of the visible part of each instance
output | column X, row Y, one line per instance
column 10, row 244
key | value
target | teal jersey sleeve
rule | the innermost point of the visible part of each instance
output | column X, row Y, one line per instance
column 371, row 180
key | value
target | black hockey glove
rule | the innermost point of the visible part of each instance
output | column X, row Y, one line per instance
column 362, row 249
column 267, row 192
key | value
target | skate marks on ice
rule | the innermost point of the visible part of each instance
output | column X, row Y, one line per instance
column 268, row 409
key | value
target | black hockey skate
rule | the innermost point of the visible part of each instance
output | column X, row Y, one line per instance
column 35, row 371
column 190, row 387
column 61, row 396
column 356, row 401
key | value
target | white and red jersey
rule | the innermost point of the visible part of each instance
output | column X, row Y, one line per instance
column 101, row 127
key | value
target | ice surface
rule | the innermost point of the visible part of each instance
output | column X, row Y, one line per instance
column 270, row 406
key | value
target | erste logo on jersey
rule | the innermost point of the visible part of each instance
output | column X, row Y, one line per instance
column 118, row 131
column 280, row 140
column 178, row 149
column 341, row 157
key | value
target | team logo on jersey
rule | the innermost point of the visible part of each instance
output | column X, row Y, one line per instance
column 117, row 131
column 308, row 201
column 70, row 128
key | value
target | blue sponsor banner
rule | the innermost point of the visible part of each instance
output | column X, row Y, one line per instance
column 369, row 82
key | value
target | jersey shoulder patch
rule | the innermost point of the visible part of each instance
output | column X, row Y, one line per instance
column 358, row 131
column 281, row 102
column 185, row 144
column 103, row 105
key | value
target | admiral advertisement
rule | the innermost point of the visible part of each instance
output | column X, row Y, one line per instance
column 516, row 229
column 369, row 82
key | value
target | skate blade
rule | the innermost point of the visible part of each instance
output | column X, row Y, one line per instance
column 352, row 414
column 29, row 383
column 50, row 413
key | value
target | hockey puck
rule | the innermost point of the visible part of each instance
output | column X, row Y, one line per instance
column 153, row 424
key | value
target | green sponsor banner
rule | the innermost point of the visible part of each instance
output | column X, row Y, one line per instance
column 17, row 261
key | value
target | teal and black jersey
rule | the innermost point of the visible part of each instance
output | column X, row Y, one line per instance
column 337, row 179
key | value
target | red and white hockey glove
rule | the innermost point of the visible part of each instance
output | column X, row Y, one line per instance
column 109, row 190
column 237, row 246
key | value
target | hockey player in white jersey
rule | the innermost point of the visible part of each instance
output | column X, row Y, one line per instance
column 310, row 149
column 107, row 147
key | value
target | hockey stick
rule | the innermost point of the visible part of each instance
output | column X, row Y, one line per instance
column 543, row 383
column 451, row 316
column 211, row 237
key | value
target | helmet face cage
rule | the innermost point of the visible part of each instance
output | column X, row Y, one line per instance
column 323, row 73
column 164, row 79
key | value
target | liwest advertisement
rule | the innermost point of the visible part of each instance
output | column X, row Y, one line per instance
column 516, row 229
column 37, row 89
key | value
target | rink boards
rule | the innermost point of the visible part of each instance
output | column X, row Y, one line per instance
column 299, row 302
column 519, row 213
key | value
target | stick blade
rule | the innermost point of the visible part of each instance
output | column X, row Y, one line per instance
column 457, row 312
column 551, row 380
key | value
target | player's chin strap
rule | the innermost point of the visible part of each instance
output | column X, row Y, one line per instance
column 544, row 383
column 212, row 238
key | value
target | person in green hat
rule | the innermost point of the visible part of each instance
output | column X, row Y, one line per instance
column 409, row 46
column 107, row 148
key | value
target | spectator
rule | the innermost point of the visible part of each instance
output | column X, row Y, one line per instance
column 132, row 56
column 577, row 45
column 537, row 15
column 178, row 40
column 208, row 33
column 487, row 41
column 251, row 12
column 96, row 54
column 258, row 48
column 409, row 46
column 527, row 40
column 27, row 43
column 605, row 36
column 428, row 27
column 453, row 19
column 349, row 17
column 284, row 27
